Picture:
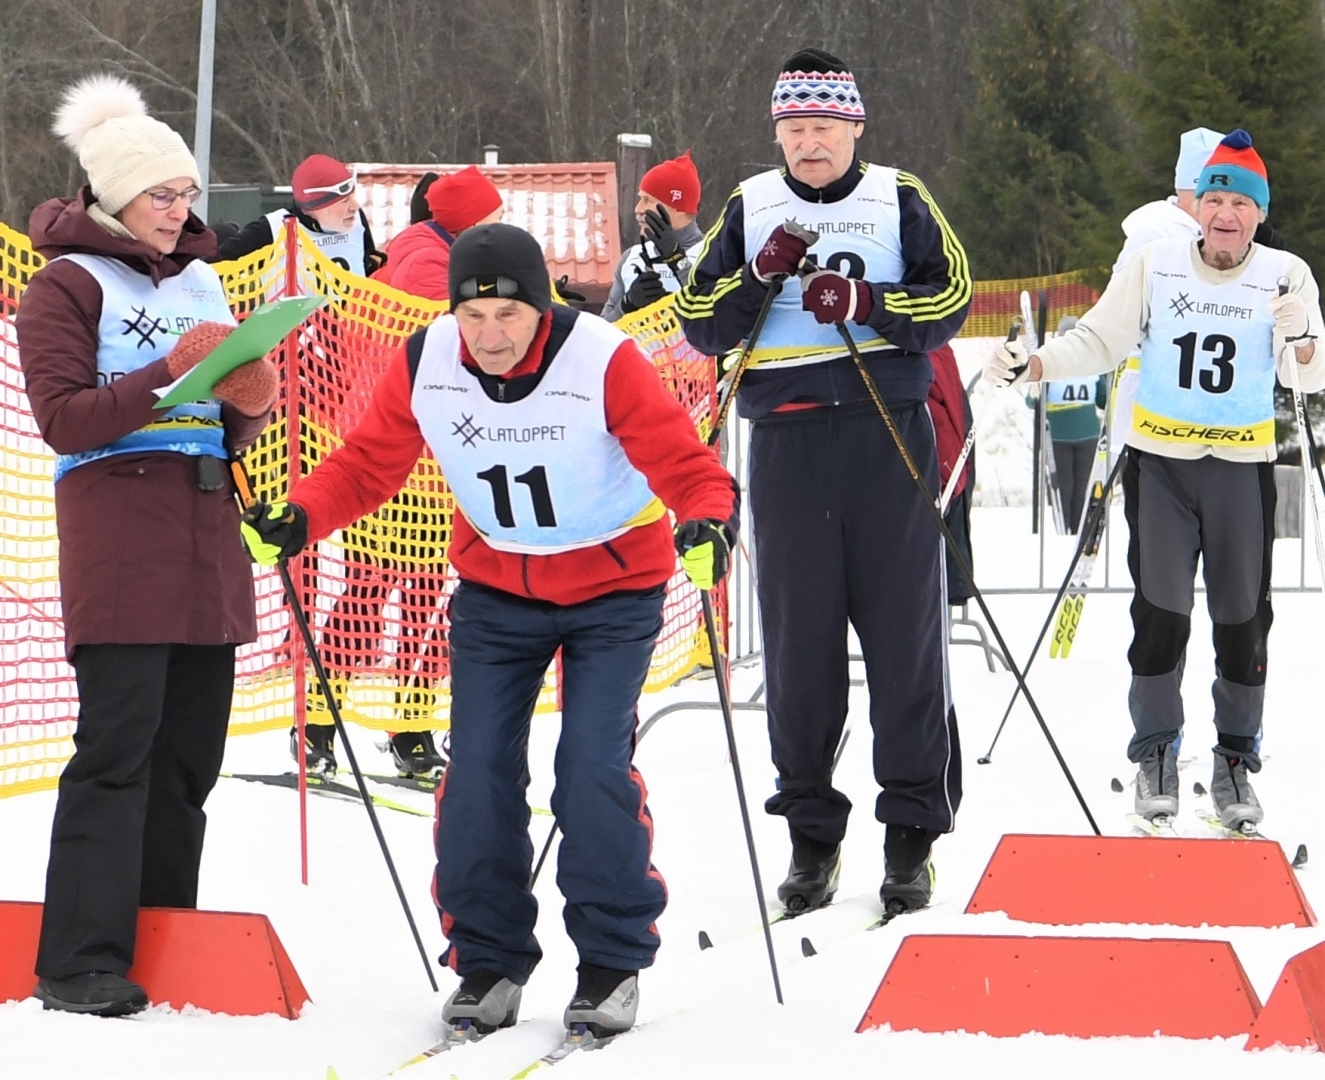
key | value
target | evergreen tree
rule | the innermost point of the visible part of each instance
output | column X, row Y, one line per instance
column 1225, row 64
column 1030, row 195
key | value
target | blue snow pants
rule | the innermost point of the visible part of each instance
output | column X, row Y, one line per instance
column 501, row 646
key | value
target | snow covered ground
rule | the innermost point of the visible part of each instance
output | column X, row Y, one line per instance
column 712, row 1013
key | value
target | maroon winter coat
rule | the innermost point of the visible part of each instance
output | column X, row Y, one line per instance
column 145, row 556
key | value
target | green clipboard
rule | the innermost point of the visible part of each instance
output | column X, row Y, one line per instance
column 253, row 339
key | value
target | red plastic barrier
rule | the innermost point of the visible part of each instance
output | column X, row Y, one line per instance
column 1084, row 987
column 1295, row 1013
column 1070, row 880
column 221, row 961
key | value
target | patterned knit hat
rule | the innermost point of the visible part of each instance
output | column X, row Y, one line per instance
column 1235, row 166
column 124, row 151
column 817, row 83
column 674, row 183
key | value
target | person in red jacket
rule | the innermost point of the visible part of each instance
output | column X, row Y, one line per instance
column 565, row 452
column 419, row 256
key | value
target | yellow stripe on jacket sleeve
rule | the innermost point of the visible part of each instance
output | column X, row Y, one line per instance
column 692, row 305
column 958, row 291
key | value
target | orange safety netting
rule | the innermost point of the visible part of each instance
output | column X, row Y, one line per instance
column 375, row 593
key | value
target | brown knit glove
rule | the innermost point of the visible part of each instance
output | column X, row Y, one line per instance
column 250, row 388
column 194, row 344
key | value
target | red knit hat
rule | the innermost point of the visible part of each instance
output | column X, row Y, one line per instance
column 319, row 181
column 674, row 183
column 462, row 199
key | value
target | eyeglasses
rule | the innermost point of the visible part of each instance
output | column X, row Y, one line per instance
column 165, row 199
column 342, row 189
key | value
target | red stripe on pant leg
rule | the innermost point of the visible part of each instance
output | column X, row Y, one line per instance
column 646, row 819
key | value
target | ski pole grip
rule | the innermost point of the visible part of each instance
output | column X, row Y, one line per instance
column 1013, row 333
column 242, row 488
column 1283, row 286
column 796, row 229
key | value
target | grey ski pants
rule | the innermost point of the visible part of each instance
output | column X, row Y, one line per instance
column 1222, row 511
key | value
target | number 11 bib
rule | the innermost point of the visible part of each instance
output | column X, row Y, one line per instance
column 1207, row 361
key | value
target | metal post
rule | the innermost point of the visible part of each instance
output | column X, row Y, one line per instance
column 632, row 162
column 202, row 129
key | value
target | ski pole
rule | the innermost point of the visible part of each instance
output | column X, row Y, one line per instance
column 1093, row 517
column 978, row 425
column 724, row 699
column 244, row 496
column 774, row 288
column 1299, row 410
column 962, row 564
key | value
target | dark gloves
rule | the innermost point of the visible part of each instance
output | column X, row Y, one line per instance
column 781, row 254
column 567, row 293
column 419, row 210
column 705, row 551
column 646, row 289
column 658, row 228
column 274, row 531
column 832, row 298
column 374, row 261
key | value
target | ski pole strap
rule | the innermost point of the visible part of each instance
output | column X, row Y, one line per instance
column 783, row 784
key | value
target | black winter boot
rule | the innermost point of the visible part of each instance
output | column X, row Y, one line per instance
column 98, row 993
column 812, row 877
column 908, row 880
column 605, row 1001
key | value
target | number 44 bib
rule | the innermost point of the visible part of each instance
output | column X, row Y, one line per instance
column 1207, row 361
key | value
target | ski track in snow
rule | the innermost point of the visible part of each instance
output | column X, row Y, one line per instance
column 712, row 1013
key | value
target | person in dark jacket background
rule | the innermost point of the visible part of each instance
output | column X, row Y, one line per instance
column 155, row 590
column 842, row 530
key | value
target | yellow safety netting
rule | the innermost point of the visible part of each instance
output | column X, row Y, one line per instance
column 375, row 593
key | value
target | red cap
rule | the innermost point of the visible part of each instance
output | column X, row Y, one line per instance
column 319, row 181
column 674, row 183
column 461, row 200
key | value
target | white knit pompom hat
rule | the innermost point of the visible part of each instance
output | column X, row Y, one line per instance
column 123, row 150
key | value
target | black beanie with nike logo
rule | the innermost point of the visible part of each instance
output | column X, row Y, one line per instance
column 498, row 260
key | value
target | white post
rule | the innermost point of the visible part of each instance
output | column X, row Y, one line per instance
column 202, row 130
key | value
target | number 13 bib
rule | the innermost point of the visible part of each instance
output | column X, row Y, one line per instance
column 1207, row 361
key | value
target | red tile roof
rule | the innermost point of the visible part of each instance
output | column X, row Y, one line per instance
column 571, row 208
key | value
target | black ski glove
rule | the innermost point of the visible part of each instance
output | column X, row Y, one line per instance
column 659, row 229
column 645, row 290
column 567, row 293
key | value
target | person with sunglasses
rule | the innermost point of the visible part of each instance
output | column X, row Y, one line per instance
column 156, row 594
column 326, row 205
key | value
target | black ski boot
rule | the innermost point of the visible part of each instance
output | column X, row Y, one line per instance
column 319, row 749
column 97, row 993
column 484, row 1001
column 605, row 1001
column 812, row 877
column 416, row 755
column 908, row 878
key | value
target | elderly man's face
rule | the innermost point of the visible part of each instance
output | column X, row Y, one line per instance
column 818, row 149
column 1228, row 219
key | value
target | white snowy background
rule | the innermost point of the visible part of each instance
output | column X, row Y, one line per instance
column 712, row 1013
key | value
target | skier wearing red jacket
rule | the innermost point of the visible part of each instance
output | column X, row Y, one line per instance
column 565, row 452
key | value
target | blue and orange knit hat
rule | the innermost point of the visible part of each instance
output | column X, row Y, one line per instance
column 1235, row 166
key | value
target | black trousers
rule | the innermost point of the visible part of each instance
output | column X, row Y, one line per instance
column 842, row 535
column 129, row 822
column 1073, row 462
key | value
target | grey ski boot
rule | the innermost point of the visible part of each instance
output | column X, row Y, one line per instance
column 1157, row 784
column 605, row 1001
column 486, row 1000
column 1236, row 802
